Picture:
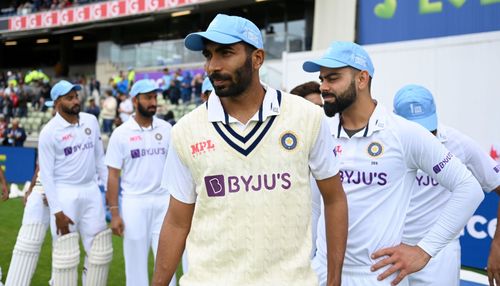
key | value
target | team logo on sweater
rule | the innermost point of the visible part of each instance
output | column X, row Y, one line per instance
column 288, row 140
column 88, row 131
column 158, row 136
column 375, row 149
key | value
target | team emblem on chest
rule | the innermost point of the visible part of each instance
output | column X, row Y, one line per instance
column 158, row 136
column 88, row 131
column 375, row 149
column 288, row 140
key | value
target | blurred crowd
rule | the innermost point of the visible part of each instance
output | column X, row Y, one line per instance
column 22, row 7
column 23, row 97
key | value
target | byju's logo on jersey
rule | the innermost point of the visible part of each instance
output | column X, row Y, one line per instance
column 497, row 168
column 375, row 149
column 288, row 140
column 217, row 185
column 440, row 166
column 363, row 178
column 68, row 151
column 79, row 147
column 202, row 147
column 135, row 153
column 426, row 181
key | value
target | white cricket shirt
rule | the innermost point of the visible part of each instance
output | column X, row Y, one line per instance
column 70, row 154
column 378, row 168
column 429, row 197
column 140, row 153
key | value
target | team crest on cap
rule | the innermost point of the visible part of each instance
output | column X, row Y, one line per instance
column 288, row 140
column 88, row 131
column 158, row 136
column 375, row 149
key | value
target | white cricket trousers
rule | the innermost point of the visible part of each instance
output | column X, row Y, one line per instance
column 35, row 210
column 443, row 269
column 354, row 275
column 83, row 205
column 142, row 218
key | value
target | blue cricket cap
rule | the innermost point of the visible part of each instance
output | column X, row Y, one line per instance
column 207, row 85
column 226, row 30
column 415, row 103
column 143, row 86
column 62, row 88
column 342, row 54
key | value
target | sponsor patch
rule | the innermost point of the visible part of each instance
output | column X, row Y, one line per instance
column 68, row 151
column 202, row 147
column 136, row 153
column 337, row 150
column 497, row 168
column 135, row 138
column 220, row 185
column 440, row 166
column 215, row 186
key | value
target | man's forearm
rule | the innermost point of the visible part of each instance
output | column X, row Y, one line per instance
column 112, row 193
column 170, row 249
column 336, row 238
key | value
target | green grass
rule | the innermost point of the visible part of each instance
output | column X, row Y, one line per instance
column 11, row 213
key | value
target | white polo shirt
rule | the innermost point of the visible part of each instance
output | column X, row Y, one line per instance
column 140, row 153
column 70, row 154
column 178, row 179
column 429, row 197
column 378, row 168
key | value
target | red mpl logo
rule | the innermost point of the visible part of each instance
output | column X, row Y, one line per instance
column 66, row 137
column 337, row 150
column 202, row 147
column 135, row 138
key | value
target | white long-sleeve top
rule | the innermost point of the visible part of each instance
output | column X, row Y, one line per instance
column 378, row 167
column 70, row 154
column 429, row 197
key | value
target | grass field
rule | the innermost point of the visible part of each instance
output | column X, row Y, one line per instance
column 11, row 213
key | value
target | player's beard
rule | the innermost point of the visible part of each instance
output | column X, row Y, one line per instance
column 342, row 100
column 237, row 83
column 147, row 112
column 74, row 110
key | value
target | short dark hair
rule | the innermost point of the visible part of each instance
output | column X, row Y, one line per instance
column 306, row 88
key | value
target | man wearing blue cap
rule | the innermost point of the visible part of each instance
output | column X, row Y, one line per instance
column 380, row 155
column 416, row 103
column 70, row 156
column 239, row 175
column 138, row 149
